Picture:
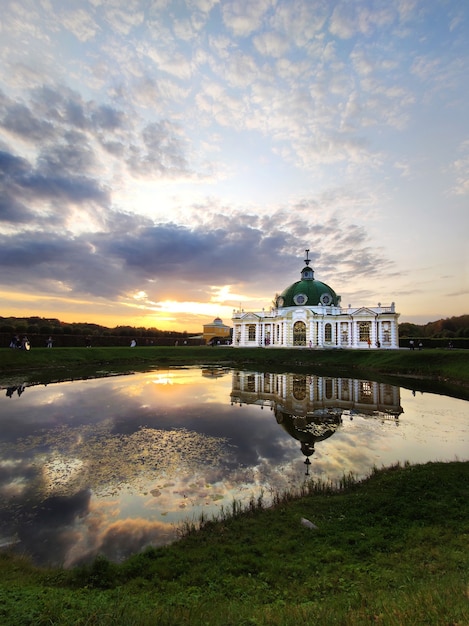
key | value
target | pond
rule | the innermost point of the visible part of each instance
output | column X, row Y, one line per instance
column 112, row 465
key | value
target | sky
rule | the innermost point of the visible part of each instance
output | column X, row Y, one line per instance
column 163, row 162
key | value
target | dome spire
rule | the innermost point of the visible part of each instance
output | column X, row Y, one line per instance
column 307, row 272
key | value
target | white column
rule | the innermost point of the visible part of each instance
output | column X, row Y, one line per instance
column 394, row 333
column 373, row 333
column 320, row 395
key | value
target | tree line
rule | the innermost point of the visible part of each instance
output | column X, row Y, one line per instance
column 449, row 328
column 51, row 326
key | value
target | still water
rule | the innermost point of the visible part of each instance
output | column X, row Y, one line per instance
column 111, row 465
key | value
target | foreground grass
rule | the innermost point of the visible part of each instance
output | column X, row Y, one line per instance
column 390, row 550
column 42, row 365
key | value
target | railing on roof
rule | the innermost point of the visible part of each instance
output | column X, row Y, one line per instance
column 379, row 309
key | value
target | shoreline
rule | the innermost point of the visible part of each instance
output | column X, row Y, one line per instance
column 445, row 368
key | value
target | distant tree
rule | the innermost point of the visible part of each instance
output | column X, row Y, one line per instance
column 407, row 329
column 449, row 327
column 124, row 331
column 449, row 324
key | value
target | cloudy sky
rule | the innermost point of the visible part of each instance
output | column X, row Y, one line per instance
column 165, row 161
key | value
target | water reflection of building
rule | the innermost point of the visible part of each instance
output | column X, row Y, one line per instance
column 311, row 408
column 214, row 372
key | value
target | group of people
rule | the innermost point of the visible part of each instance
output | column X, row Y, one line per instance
column 20, row 344
column 24, row 343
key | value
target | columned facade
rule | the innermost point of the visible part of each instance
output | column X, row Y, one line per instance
column 308, row 314
column 329, row 327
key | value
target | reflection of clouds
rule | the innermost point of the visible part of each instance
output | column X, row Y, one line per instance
column 47, row 528
column 115, row 539
column 16, row 476
column 125, row 537
column 164, row 389
column 116, row 464
column 356, row 447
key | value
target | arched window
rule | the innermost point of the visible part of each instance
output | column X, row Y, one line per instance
column 252, row 332
column 299, row 387
column 299, row 334
column 328, row 332
column 364, row 329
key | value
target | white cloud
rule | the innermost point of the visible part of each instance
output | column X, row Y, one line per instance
column 123, row 17
column 80, row 23
column 351, row 19
column 243, row 17
column 460, row 171
column 271, row 44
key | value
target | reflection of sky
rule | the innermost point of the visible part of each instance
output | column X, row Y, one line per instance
column 112, row 465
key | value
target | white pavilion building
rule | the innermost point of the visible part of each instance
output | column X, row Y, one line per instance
column 309, row 314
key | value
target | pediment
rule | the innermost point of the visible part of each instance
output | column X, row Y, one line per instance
column 364, row 312
column 250, row 317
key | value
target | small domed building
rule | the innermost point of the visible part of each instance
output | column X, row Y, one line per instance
column 217, row 331
column 308, row 313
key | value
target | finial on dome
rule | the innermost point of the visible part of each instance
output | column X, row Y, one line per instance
column 307, row 272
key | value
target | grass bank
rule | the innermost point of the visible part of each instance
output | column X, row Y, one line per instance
column 390, row 550
column 433, row 366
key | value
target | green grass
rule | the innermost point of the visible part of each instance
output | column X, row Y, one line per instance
column 390, row 550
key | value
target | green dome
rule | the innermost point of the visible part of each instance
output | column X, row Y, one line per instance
column 308, row 292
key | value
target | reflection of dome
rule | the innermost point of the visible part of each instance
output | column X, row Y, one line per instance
column 308, row 291
column 311, row 428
